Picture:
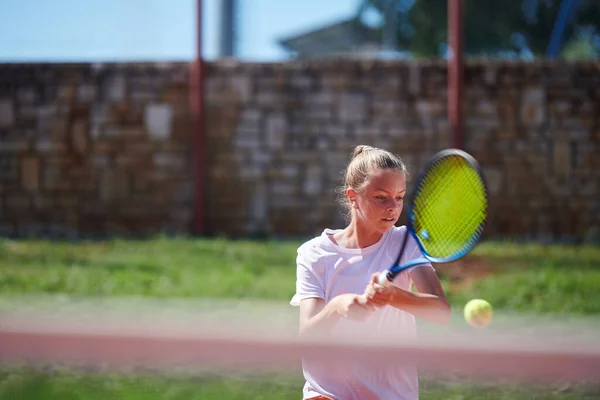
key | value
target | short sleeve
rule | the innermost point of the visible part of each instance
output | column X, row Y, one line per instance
column 308, row 283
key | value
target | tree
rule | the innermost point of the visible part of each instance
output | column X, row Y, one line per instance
column 494, row 27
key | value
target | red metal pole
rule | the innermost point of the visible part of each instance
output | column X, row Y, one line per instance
column 455, row 72
column 197, row 109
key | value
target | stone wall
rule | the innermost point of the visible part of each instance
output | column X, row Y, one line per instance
column 280, row 136
column 94, row 150
column 107, row 149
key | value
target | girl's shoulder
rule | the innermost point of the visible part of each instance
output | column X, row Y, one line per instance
column 321, row 241
column 317, row 246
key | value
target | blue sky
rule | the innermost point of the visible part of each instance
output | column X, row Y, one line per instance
column 130, row 30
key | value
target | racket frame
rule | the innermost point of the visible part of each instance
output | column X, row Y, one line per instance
column 390, row 275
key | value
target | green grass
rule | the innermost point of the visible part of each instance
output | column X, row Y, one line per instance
column 157, row 268
column 33, row 385
column 537, row 278
column 513, row 277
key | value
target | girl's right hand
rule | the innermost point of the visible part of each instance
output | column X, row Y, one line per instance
column 354, row 306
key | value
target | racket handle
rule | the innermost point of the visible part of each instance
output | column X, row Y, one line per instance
column 389, row 275
column 383, row 277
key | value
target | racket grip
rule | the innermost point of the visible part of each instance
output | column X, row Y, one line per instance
column 383, row 277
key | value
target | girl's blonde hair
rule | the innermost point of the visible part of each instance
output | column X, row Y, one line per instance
column 364, row 161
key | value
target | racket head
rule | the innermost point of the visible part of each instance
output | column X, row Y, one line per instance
column 448, row 207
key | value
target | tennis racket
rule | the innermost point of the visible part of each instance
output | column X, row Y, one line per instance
column 447, row 211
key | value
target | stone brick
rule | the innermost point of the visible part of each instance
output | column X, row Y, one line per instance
column 302, row 82
column 321, row 99
column 561, row 160
column 386, row 111
column 182, row 218
column 429, row 112
column 251, row 116
column 494, row 178
column 67, row 202
column 318, row 114
column 533, row 107
column 247, row 138
column 276, row 130
column 53, row 178
column 115, row 87
column 334, row 81
column 48, row 145
column 159, row 120
column 352, row 107
column 242, row 87
column 169, row 160
column 66, row 93
column 26, row 95
column 86, row 93
column 259, row 202
column 490, row 75
column 30, row 170
column 114, row 185
column 14, row 146
column 79, row 135
column 7, row 115
column 283, row 189
column 183, row 192
column 312, row 182
column 143, row 96
column 9, row 168
column 7, row 229
column 267, row 99
column 17, row 202
column 250, row 172
column 444, row 137
column 42, row 202
column 414, row 79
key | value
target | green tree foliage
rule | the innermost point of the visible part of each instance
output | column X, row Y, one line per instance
column 492, row 27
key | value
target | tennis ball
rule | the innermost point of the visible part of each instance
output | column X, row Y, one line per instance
column 478, row 313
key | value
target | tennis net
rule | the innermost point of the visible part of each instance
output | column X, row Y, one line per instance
column 240, row 349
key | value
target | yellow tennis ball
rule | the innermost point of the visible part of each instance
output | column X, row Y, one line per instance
column 478, row 313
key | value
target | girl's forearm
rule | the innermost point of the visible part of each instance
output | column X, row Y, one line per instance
column 322, row 322
column 427, row 306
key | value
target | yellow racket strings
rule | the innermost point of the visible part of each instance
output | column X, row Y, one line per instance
column 449, row 207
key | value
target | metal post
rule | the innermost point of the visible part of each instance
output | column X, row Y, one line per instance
column 197, row 111
column 455, row 72
column 227, row 27
column 390, row 28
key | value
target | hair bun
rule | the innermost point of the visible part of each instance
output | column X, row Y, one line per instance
column 361, row 149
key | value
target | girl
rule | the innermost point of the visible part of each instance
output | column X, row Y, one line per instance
column 337, row 290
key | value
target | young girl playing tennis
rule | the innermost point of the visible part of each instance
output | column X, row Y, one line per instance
column 337, row 290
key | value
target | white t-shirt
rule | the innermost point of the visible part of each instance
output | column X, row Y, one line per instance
column 326, row 270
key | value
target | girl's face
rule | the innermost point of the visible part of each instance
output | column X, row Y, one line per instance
column 379, row 204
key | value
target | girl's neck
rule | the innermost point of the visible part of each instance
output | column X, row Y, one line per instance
column 355, row 237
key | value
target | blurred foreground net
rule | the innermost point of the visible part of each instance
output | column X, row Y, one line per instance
column 134, row 348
